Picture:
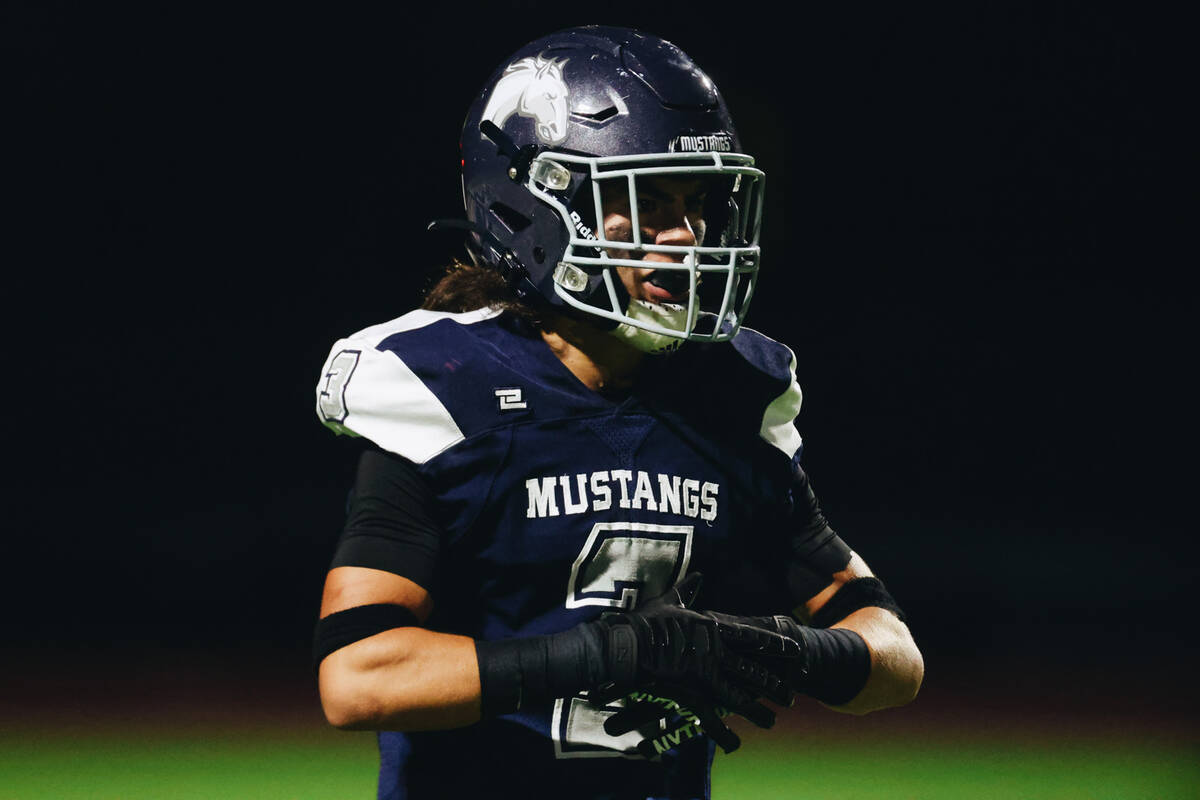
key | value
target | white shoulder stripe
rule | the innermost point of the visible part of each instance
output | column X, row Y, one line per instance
column 384, row 401
column 418, row 319
column 373, row 394
column 778, row 424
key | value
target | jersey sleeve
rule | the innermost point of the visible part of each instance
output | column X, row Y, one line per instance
column 813, row 552
column 369, row 387
column 773, row 365
column 375, row 385
column 779, row 418
column 374, row 394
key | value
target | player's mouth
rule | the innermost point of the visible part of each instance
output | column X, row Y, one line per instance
column 667, row 286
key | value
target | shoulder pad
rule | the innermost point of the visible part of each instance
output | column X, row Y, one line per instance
column 370, row 388
column 777, row 362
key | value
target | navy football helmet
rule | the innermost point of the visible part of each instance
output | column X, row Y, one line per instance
column 588, row 108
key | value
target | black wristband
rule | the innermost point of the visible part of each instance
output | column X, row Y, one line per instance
column 839, row 664
column 514, row 673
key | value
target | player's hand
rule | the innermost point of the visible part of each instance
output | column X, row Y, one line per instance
column 645, row 713
column 794, row 668
column 666, row 650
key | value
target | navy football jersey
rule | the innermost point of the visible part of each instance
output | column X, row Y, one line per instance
column 557, row 504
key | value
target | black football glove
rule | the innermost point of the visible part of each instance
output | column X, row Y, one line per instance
column 685, row 660
column 834, row 663
column 680, row 662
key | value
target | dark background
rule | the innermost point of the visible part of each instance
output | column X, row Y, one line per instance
column 969, row 243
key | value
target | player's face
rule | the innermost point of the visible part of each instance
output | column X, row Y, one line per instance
column 670, row 212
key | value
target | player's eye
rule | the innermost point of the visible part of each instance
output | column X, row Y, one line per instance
column 647, row 205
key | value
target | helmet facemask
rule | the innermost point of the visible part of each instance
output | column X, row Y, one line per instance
column 718, row 271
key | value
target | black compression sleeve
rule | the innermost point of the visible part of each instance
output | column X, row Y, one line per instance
column 816, row 552
column 390, row 525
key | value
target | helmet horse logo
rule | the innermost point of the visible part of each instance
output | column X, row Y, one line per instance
column 534, row 88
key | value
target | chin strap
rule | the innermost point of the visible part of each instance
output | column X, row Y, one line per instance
column 519, row 157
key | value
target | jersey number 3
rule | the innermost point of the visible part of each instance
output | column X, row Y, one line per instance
column 332, row 400
column 620, row 563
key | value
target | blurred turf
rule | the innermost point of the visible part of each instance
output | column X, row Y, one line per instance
column 979, row 770
column 143, row 763
column 307, row 762
column 174, row 726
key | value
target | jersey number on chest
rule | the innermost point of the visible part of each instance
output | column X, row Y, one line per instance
column 620, row 563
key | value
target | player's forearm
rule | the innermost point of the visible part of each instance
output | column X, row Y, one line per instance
column 402, row 679
column 897, row 668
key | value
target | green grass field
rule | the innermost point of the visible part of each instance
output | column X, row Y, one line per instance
column 173, row 726
column 980, row 770
column 110, row 761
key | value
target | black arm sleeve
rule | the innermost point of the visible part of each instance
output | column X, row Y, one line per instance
column 816, row 552
column 390, row 523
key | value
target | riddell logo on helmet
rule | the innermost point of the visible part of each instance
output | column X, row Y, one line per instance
column 702, row 143
column 584, row 230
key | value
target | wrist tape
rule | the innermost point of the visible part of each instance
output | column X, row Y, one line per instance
column 514, row 673
column 839, row 664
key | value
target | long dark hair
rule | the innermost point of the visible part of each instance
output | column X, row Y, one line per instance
column 466, row 287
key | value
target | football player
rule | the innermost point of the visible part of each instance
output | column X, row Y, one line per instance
column 574, row 425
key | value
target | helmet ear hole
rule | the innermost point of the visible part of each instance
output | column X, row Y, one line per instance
column 512, row 219
column 539, row 255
